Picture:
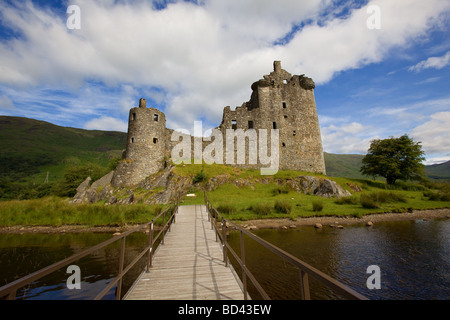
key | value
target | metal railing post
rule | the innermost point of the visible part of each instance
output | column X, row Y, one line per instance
column 12, row 295
column 304, row 285
column 163, row 224
column 150, row 250
column 172, row 210
column 121, row 261
column 244, row 274
column 224, row 244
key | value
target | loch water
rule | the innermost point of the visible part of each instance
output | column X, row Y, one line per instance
column 413, row 257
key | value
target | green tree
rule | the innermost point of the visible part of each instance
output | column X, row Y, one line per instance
column 393, row 159
column 73, row 176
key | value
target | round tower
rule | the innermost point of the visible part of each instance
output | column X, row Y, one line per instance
column 145, row 150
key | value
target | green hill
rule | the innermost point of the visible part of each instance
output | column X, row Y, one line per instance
column 30, row 148
column 347, row 165
column 440, row 172
column 343, row 165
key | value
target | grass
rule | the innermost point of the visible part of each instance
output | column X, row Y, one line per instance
column 317, row 205
column 283, row 206
column 53, row 211
column 248, row 202
column 263, row 198
column 261, row 208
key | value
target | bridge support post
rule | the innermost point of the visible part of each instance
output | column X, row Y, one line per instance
column 244, row 273
column 224, row 244
column 121, row 261
column 150, row 250
column 304, row 285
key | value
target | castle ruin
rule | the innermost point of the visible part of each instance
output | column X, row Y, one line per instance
column 280, row 101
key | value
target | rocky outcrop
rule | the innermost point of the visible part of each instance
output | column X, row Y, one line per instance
column 317, row 186
column 99, row 190
column 164, row 186
column 170, row 183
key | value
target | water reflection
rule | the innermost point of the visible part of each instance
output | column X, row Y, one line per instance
column 413, row 257
column 23, row 254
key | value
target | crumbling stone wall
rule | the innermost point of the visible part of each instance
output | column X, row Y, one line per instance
column 285, row 102
column 278, row 101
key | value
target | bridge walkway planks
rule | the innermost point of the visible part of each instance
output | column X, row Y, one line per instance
column 189, row 266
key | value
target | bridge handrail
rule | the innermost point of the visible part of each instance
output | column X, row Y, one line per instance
column 9, row 290
column 304, row 268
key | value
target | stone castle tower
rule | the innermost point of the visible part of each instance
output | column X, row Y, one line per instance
column 278, row 101
column 284, row 102
column 146, row 145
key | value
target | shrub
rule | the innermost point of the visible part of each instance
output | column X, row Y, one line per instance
column 200, row 177
column 225, row 208
column 283, row 207
column 437, row 195
column 317, row 205
column 280, row 190
column 368, row 202
column 347, row 200
column 374, row 199
column 261, row 208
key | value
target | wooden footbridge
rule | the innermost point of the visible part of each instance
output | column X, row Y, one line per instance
column 189, row 266
column 191, row 261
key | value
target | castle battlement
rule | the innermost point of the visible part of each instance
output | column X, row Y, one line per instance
column 279, row 101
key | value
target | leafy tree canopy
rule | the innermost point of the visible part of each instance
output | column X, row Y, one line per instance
column 393, row 159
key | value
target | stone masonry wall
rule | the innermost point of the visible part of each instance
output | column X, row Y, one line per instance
column 278, row 101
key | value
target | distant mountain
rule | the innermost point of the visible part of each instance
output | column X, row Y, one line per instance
column 343, row 165
column 30, row 148
column 347, row 165
column 440, row 172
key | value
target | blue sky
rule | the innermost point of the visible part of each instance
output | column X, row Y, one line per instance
column 191, row 59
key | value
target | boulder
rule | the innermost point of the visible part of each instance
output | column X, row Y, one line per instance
column 81, row 195
column 329, row 189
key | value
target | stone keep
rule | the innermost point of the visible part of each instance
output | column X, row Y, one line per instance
column 285, row 102
column 278, row 101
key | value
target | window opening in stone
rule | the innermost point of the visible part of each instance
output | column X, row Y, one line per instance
column 155, row 117
column 294, row 133
column 233, row 124
column 285, row 117
column 283, row 144
column 284, row 105
column 274, row 124
column 155, row 140
column 133, row 116
column 250, row 124
column 285, row 81
column 132, row 140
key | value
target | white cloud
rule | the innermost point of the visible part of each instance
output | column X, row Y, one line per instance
column 434, row 134
column 107, row 124
column 202, row 57
column 432, row 62
column 6, row 103
column 347, row 138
